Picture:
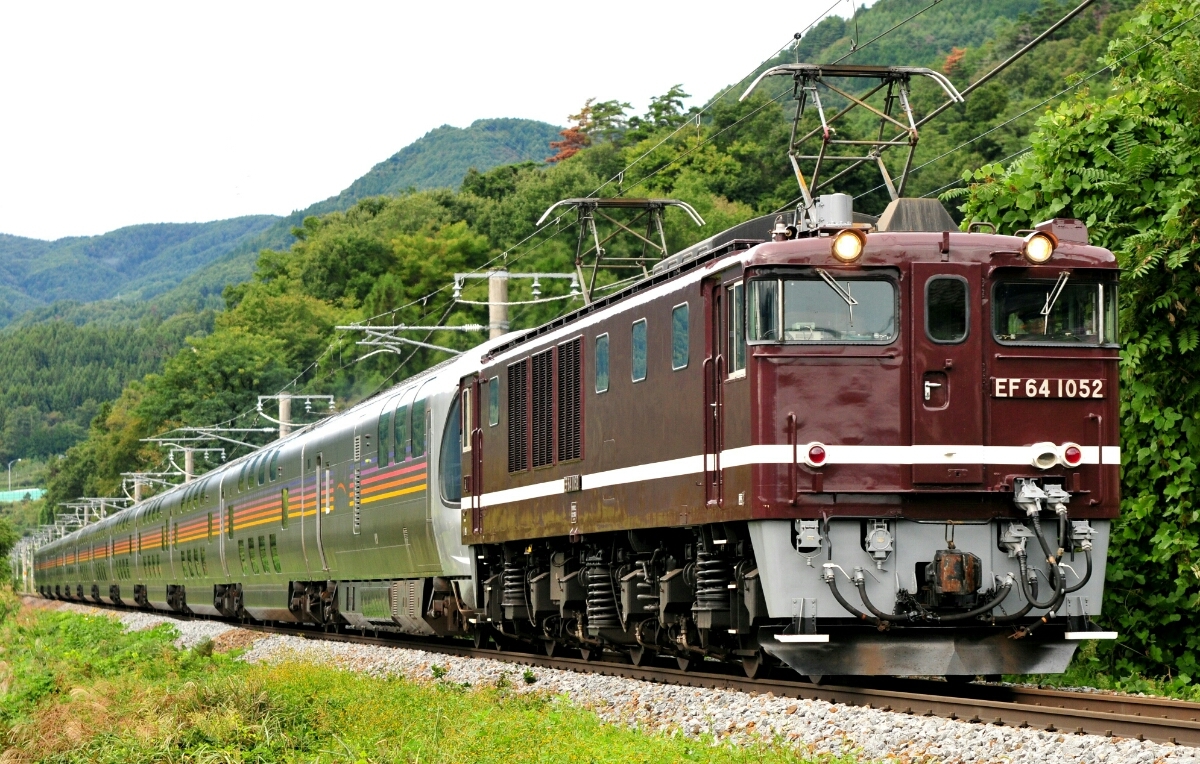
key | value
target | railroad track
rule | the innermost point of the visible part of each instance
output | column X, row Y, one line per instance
column 1161, row 720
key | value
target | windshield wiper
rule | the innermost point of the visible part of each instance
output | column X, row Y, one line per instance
column 843, row 293
column 1051, row 298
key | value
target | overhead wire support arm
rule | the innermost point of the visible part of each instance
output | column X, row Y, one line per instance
column 587, row 209
column 808, row 79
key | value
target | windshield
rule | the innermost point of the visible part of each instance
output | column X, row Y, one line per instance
column 1059, row 312
column 823, row 309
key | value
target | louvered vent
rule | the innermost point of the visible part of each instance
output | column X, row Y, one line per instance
column 570, row 442
column 543, row 408
column 518, row 417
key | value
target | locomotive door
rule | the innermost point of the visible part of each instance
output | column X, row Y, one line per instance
column 714, row 376
column 947, row 373
column 316, row 500
column 471, row 438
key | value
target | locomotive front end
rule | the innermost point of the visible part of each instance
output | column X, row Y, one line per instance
column 933, row 462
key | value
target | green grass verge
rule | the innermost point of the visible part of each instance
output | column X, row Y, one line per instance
column 76, row 688
column 1091, row 669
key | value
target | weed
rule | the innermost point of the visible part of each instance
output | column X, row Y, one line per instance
column 529, row 676
column 438, row 671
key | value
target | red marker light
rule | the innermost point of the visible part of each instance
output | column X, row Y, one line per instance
column 1072, row 455
column 816, row 456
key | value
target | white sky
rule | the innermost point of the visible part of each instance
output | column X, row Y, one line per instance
column 119, row 113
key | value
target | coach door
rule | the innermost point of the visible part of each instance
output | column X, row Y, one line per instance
column 714, row 394
column 947, row 410
column 471, row 434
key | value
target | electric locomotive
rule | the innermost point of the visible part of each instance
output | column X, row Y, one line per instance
column 885, row 446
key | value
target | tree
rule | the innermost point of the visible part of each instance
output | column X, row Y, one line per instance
column 1127, row 164
column 574, row 137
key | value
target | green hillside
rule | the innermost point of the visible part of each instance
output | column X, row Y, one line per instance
column 133, row 263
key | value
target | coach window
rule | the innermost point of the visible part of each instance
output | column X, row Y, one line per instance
column 493, row 401
column 384, row 436
column 274, row 471
column 284, row 509
column 679, row 337
column 450, row 456
column 638, row 350
column 602, row 363
column 946, row 309
column 402, row 431
column 464, row 421
column 419, row 429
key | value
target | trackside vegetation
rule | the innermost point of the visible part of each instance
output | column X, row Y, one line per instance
column 77, row 688
column 1126, row 161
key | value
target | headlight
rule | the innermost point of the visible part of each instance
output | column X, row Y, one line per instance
column 1044, row 455
column 1038, row 247
column 848, row 245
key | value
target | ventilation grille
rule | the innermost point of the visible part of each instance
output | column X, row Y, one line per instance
column 543, row 408
column 357, row 500
column 357, row 447
column 569, row 420
column 518, row 418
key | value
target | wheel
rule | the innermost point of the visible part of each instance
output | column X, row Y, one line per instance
column 479, row 637
column 550, row 647
column 639, row 655
column 755, row 665
column 684, row 662
column 589, row 653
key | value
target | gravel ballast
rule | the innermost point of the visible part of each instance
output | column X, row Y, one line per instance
column 735, row 717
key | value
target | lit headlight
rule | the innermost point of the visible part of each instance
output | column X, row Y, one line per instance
column 848, row 245
column 1038, row 247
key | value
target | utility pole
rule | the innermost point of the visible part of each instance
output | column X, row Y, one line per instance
column 497, row 303
column 10, row 464
column 285, row 408
column 189, row 465
column 285, row 416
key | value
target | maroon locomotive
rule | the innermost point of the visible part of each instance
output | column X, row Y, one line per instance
column 883, row 447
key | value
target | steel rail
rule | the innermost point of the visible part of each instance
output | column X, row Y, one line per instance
column 1162, row 720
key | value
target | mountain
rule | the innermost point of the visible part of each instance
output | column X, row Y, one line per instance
column 167, row 267
column 133, row 263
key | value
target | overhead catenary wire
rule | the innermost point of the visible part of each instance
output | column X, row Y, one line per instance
column 1041, row 103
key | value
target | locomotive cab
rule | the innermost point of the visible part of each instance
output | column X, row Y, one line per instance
column 933, row 446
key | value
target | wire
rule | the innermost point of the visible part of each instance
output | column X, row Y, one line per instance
column 856, row 48
column 1065, row 90
column 1013, row 155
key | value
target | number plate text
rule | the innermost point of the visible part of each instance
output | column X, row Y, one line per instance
column 1010, row 387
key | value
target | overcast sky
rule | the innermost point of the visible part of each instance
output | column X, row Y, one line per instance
column 113, row 114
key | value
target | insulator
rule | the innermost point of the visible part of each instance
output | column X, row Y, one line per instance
column 713, row 577
column 601, row 601
column 514, row 585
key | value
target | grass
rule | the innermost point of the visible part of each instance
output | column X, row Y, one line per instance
column 1090, row 669
column 76, row 688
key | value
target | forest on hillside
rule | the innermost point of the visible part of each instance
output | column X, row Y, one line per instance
column 1116, row 148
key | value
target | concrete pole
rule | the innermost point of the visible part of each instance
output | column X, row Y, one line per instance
column 137, row 491
column 189, row 465
column 497, row 303
column 285, row 416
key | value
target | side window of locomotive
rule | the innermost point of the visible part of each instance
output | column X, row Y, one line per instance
column 384, row 436
column 946, row 309
column 1059, row 312
column 679, row 337
column 493, row 401
column 419, row 429
column 763, row 311
column 602, row 363
column 735, row 299
column 638, row 350
column 401, row 433
column 450, row 458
